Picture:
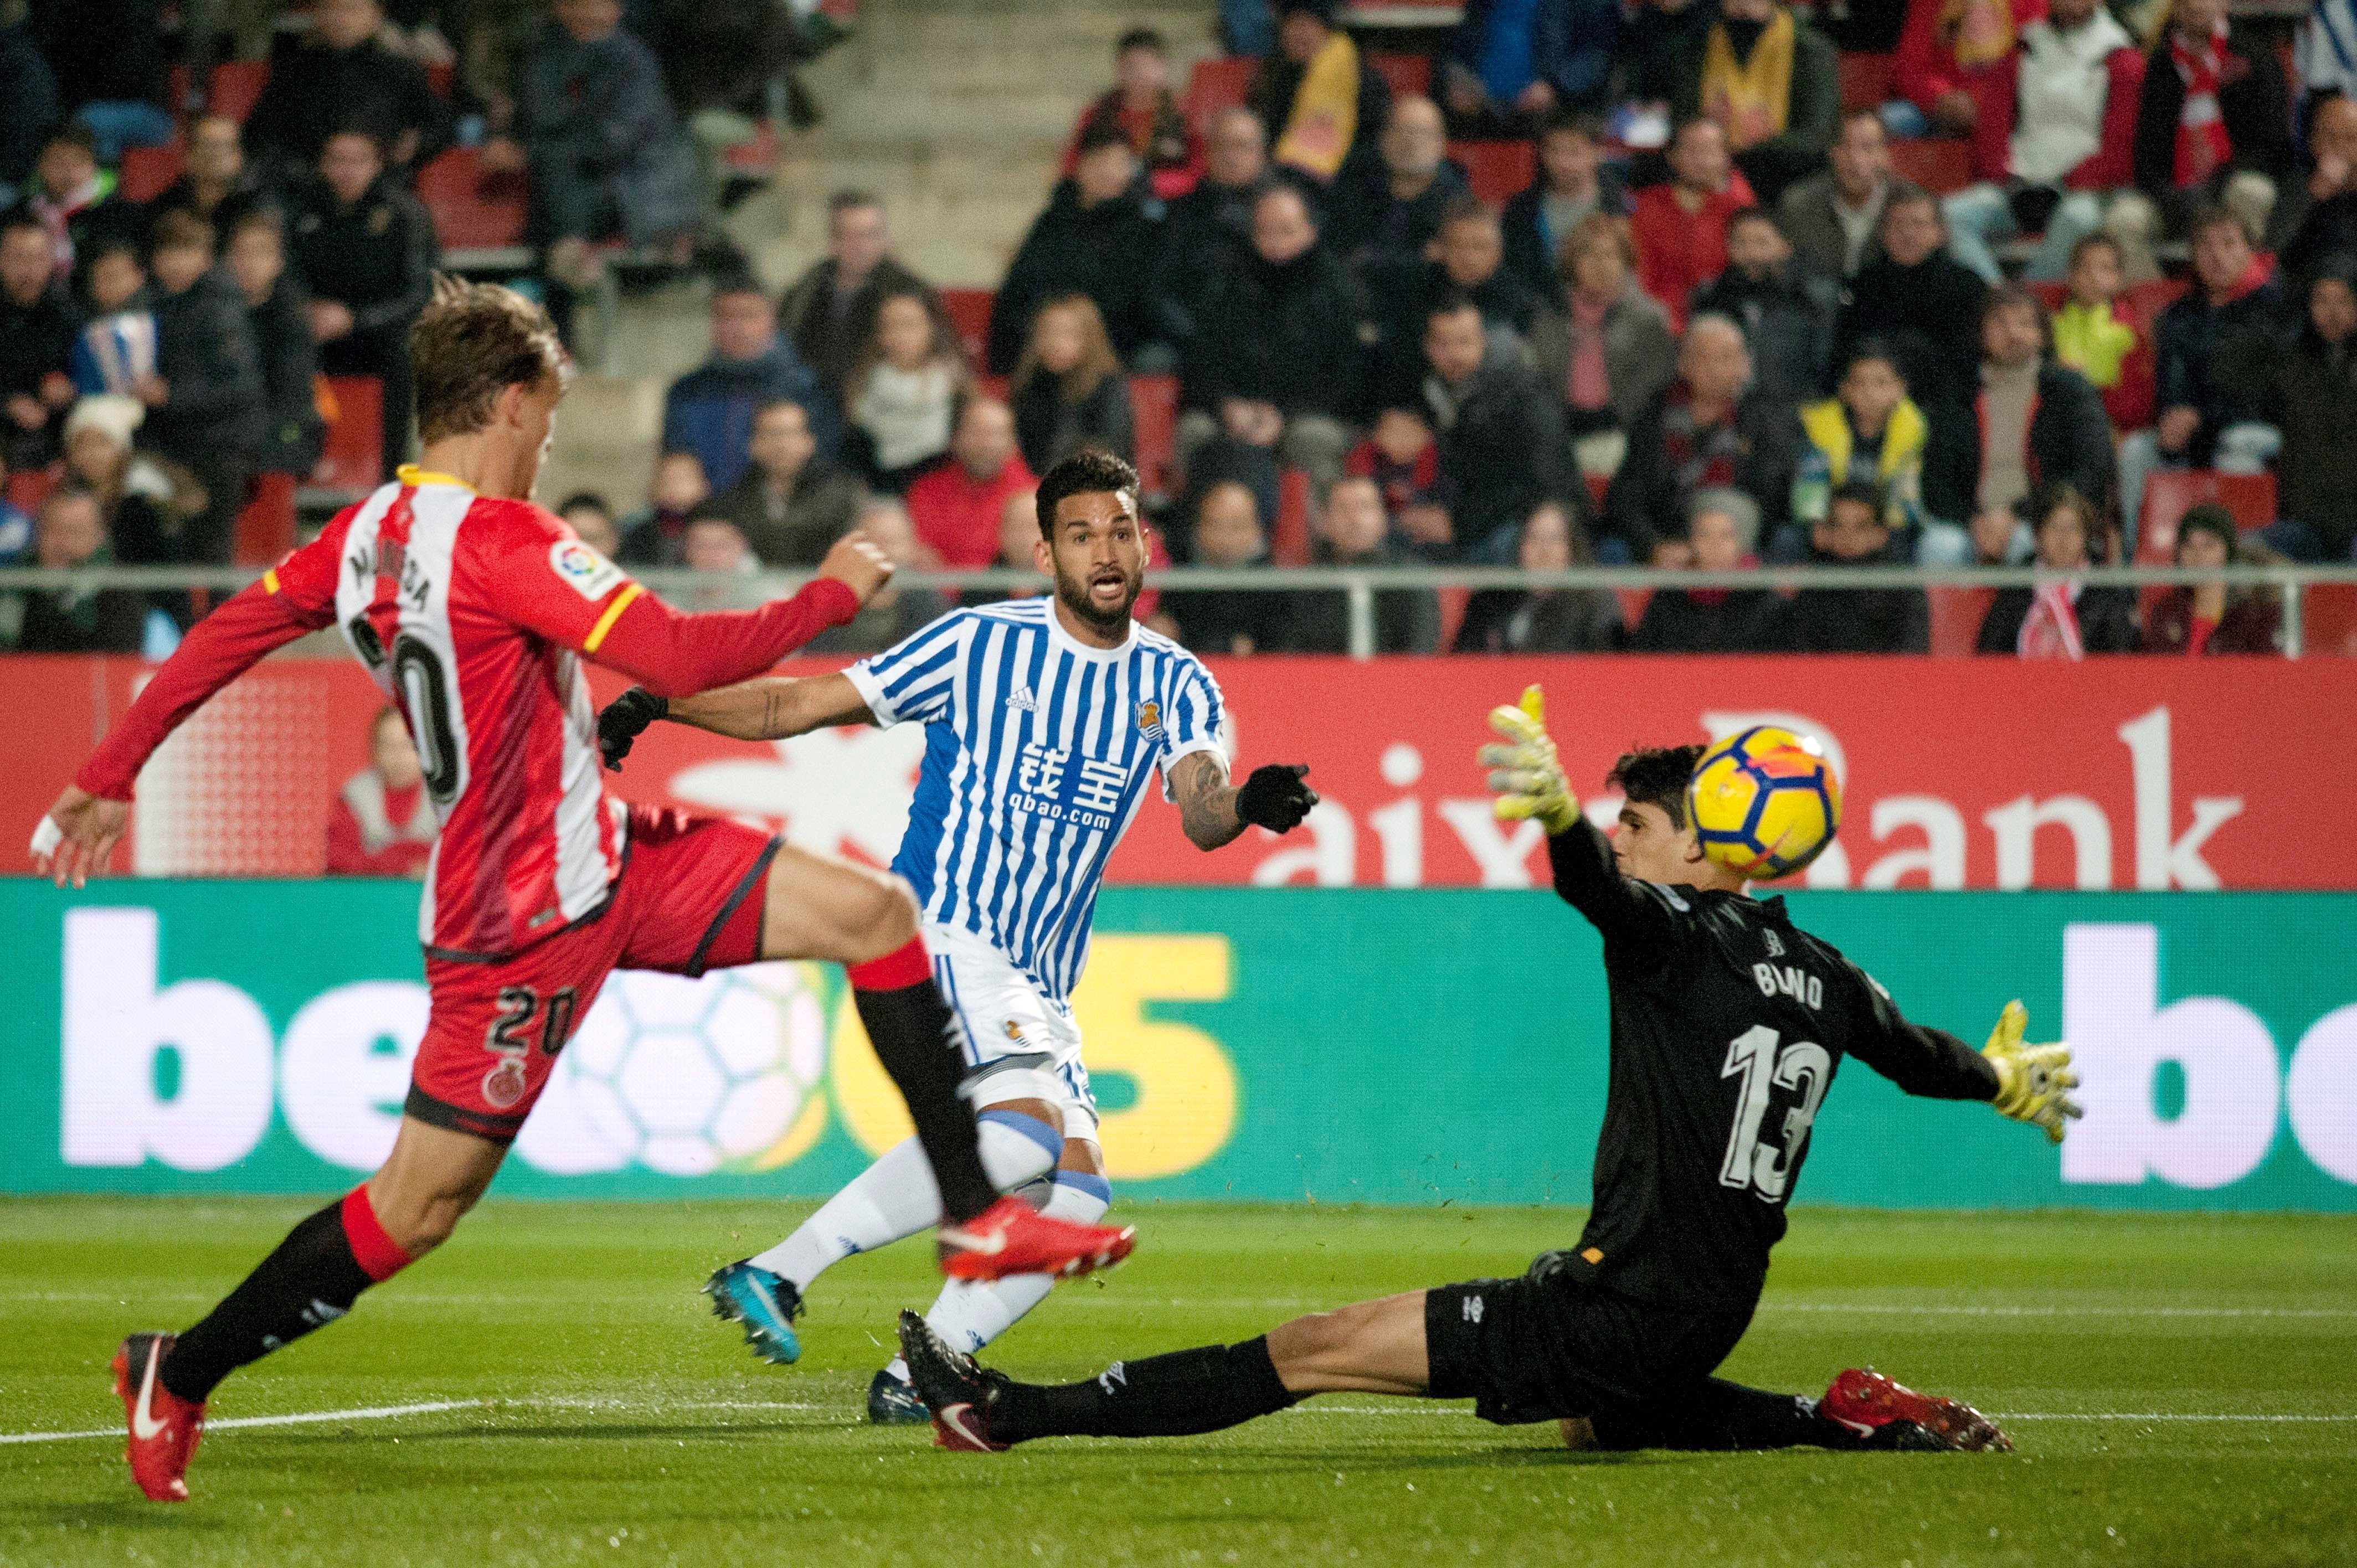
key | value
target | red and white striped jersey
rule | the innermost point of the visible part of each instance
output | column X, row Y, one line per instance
column 465, row 611
column 472, row 614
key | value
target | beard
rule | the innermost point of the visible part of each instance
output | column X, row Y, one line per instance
column 1073, row 594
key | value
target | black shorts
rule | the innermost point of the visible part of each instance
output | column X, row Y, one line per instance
column 1557, row 1342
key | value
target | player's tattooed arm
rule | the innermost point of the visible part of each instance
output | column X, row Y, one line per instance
column 1213, row 812
column 774, row 707
column 769, row 708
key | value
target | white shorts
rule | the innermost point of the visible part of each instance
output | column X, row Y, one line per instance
column 1019, row 1043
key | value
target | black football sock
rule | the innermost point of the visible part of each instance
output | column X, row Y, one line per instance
column 1717, row 1415
column 1176, row 1395
column 312, row 1279
column 909, row 1026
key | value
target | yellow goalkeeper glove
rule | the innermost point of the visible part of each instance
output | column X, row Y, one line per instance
column 2033, row 1082
column 1525, row 775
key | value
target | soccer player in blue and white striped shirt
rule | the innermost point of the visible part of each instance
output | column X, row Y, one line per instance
column 1046, row 719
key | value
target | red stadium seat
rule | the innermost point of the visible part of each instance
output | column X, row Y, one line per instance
column 2052, row 296
column 969, row 311
column 148, row 172
column 1153, row 418
column 1632, row 605
column 996, row 387
column 2328, row 621
column 1938, row 164
column 2149, row 300
column 473, row 209
column 2171, row 492
column 1499, row 171
column 237, row 86
column 757, row 155
column 354, row 457
column 1408, row 76
column 29, row 488
column 1217, row 84
column 1956, row 616
column 265, row 529
column 1865, row 79
column 439, row 74
column 1288, row 543
column 1453, row 603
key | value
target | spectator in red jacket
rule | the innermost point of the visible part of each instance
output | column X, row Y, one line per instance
column 1142, row 106
column 956, row 506
column 1955, row 67
column 2069, row 138
column 382, row 823
column 1680, row 227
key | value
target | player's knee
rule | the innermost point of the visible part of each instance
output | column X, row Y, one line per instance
column 878, row 917
column 1019, row 1148
column 419, row 1222
column 1306, row 1344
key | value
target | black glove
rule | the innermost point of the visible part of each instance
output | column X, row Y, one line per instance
column 1276, row 797
column 624, row 718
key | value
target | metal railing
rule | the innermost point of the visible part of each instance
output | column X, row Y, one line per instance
column 1361, row 583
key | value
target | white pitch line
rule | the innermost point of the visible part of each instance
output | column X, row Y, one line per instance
column 1429, row 1410
column 559, row 1401
column 368, row 1412
column 1934, row 1309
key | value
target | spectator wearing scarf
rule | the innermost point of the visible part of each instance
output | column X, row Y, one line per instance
column 1770, row 83
column 2061, row 616
column 2211, row 618
column 1708, row 430
column 1142, row 108
column 2213, row 107
column 1327, row 106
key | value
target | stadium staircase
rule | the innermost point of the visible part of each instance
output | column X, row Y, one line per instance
column 955, row 111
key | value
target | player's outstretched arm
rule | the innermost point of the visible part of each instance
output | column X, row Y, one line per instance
column 1528, row 780
column 1275, row 795
column 773, row 707
column 79, row 831
column 2027, row 1083
column 675, row 655
column 2033, row 1082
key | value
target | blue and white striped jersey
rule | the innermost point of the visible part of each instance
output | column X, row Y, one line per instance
column 1037, row 749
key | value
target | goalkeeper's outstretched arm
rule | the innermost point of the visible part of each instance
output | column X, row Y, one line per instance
column 2027, row 1083
column 1527, row 777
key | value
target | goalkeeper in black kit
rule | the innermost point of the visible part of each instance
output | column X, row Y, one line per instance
column 1728, row 1022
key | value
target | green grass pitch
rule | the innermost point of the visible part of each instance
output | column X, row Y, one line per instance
column 2183, row 1390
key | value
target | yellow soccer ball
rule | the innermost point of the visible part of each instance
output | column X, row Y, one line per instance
column 1764, row 803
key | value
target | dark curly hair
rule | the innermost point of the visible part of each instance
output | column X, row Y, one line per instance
column 1657, row 776
column 1089, row 471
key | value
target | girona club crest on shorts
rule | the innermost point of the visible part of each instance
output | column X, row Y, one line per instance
column 504, row 1084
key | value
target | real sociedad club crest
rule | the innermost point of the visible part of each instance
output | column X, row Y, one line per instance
column 1149, row 719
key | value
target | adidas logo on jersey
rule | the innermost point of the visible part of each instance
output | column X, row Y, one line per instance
column 1023, row 700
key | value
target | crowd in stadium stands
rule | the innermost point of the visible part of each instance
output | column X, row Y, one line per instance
column 1717, row 326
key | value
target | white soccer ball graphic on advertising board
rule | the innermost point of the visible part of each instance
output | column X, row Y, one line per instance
column 684, row 1077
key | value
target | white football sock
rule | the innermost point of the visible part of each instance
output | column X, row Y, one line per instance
column 970, row 1314
column 895, row 1198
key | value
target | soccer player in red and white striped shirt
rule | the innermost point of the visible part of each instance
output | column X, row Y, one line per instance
column 473, row 608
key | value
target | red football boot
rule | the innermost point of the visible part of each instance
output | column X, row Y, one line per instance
column 164, row 1427
column 1890, row 1414
column 1010, row 1237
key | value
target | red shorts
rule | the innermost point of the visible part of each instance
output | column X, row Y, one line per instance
column 689, row 898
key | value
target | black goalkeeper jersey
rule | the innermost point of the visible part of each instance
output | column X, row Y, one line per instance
column 1728, row 1026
